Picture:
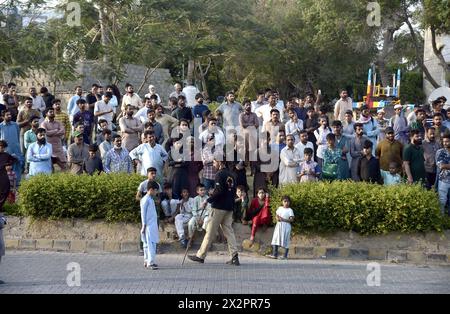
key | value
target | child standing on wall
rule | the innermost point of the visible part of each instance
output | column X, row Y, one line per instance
column 282, row 233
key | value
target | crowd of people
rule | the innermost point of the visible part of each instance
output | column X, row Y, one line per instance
column 175, row 145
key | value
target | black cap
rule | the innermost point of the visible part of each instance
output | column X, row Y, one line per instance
column 389, row 129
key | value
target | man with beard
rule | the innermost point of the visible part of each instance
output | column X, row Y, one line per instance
column 130, row 128
column 443, row 166
column 430, row 147
column 356, row 150
column 55, row 135
column 39, row 155
column 23, row 119
column 413, row 159
column 389, row 150
column 419, row 123
column 183, row 112
column 130, row 98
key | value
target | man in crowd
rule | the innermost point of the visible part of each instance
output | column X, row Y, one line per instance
column 150, row 154
column 302, row 144
column 39, row 155
column 131, row 98
column 289, row 161
column 77, row 153
column 23, row 119
column 117, row 159
column 183, row 112
column 199, row 107
column 222, row 205
column 344, row 104
column 47, row 97
column 443, row 166
column 265, row 111
column 389, row 150
column 130, row 128
column 106, row 145
column 230, row 111
column 9, row 132
column 55, row 135
column 86, row 118
column 413, row 159
column 72, row 107
column 103, row 109
column 38, row 101
column 369, row 166
column 430, row 148
column 64, row 119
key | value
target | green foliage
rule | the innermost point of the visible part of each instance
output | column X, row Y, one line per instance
column 360, row 207
column 11, row 209
column 110, row 197
column 411, row 89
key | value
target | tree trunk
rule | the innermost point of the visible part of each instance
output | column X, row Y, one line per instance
column 438, row 52
column 388, row 46
column 104, row 32
column 190, row 72
column 203, row 75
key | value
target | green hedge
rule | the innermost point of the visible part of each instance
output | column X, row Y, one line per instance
column 360, row 207
column 63, row 195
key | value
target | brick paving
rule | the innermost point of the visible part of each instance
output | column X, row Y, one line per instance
column 45, row 272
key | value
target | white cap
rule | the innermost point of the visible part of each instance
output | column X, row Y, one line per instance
column 398, row 107
column 151, row 86
column 381, row 110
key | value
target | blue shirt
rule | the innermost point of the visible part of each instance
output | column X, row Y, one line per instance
column 198, row 110
column 10, row 132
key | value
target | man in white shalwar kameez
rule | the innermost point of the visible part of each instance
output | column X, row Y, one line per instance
column 150, row 154
column 149, row 231
column 289, row 160
column 39, row 155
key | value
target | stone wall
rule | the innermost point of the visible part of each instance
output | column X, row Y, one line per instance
column 80, row 235
column 88, row 74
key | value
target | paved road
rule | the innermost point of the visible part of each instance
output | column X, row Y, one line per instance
column 46, row 272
